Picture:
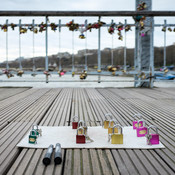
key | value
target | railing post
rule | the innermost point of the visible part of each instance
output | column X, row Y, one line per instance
column 46, row 58
column 164, row 52
column 7, row 65
column 20, row 65
column 99, row 52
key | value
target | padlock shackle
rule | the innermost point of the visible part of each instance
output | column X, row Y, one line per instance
column 110, row 121
column 108, row 115
column 138, row 116
column 81, row 128
column 154, row 128
column 117, row 126
column 33, row 127
column 144, row 123
column 81, row 123
column 74, row 117
column 33, row 130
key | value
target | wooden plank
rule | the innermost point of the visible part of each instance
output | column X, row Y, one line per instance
column 76, row 162
column 9, row 92
column 86, row 162
column 96, row 169
column 68, row 168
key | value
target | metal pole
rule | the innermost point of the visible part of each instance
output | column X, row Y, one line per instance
column 164, row 64
column 46, row 58
column 20, row 65
column 7, row 65
column 73, row 68
column 59, row 45
column 112, row 52
column 99, row 52
column 152, row 54
column 125, row 48
column 86, row 47
column 136, row 53
column 33, row 24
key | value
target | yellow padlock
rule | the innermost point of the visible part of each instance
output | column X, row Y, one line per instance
column 106, row 121
column 111, row 124
column 82, row 123
column 117, row 138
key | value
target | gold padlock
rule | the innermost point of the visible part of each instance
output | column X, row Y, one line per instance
column 106, row 121
column 82, row 123
column 111, row 124
column 117, row 138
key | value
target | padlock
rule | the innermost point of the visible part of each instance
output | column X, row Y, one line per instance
column 105, row 123
column 35, row 127
column 152, row 139
column 75, row 122
column 111, row 124
column 134, row 123
column 81, row 123
column 117, row 138
column 80, row 138
column 33, row 137
column 142, row 130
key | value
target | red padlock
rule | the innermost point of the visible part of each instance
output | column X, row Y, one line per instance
column 75, row 122
column 80, row 138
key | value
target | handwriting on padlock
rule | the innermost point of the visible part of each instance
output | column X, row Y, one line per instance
column 142, row 132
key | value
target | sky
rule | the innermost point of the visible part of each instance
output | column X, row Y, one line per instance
column 66, row 35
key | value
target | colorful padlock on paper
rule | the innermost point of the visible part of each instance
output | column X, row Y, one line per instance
column 82, row 123
column 141, row 130
column 116, row 138
column 75, row 122
column 111, row 124
column 134, row 123
column 105, row 122
column 33, row 137
column 80, row 138
column 152, row 139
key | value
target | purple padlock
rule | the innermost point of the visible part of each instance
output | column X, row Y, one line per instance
column 141, row 130
column 134, row 123
column 152, row 139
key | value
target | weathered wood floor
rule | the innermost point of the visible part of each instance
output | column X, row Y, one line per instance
column 20, row 108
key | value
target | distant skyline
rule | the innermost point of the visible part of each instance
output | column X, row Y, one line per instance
column 66, row 35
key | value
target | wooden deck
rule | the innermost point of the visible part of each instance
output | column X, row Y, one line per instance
column 20, row 108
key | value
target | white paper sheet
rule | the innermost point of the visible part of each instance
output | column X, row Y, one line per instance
column 66, row 136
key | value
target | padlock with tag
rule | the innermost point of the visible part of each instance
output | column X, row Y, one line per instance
column 75, row 122
column 105, row 122
column 33, row 137
column 80, row 138
column 152, row 139
column 134, row 123
column 82, row 123
column 111, row 124
column 141, row 130
column 116, row 138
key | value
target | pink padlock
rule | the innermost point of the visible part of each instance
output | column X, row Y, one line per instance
column 152, row 139
column 141, row 131
column 134, row 123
